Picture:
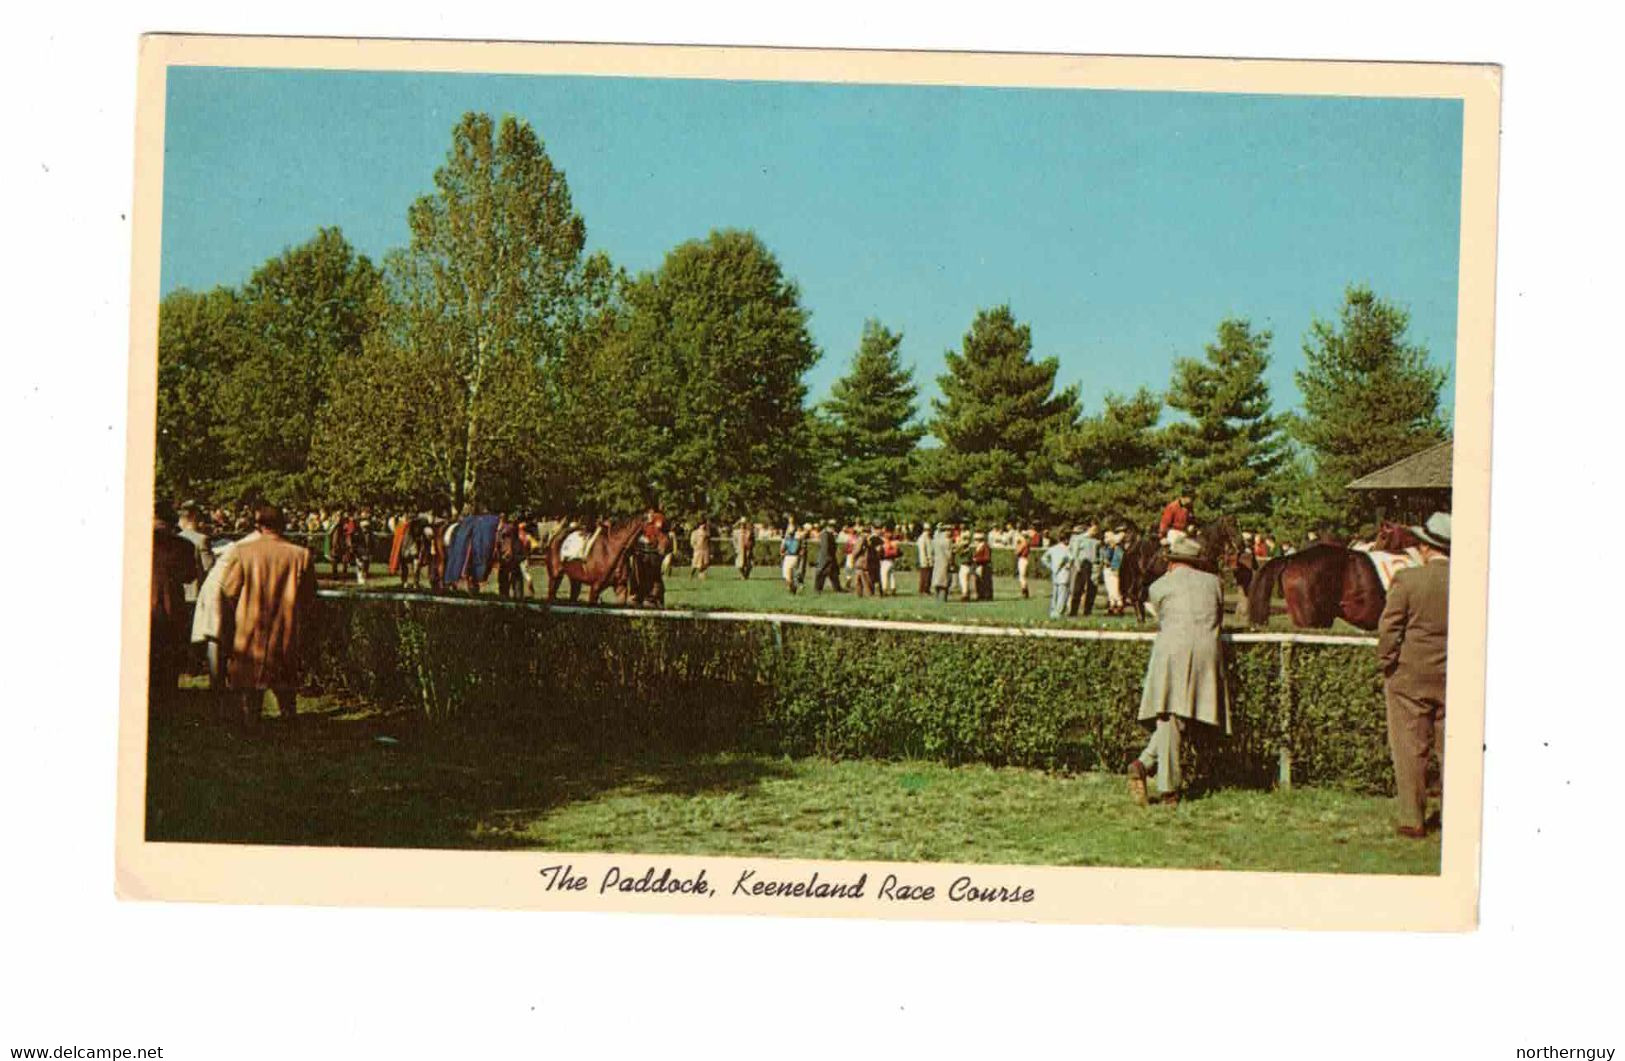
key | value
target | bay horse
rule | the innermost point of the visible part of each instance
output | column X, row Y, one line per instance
column 601, row 566
column 347, row 545
column 423, row 552
column 1320, row 583
column 1145, row 561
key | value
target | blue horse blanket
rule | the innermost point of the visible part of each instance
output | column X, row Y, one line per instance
column 472, row 545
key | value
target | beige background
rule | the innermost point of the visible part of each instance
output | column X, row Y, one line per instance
column 230, row 873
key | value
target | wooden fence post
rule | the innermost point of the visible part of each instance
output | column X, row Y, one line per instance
column 1283, row 777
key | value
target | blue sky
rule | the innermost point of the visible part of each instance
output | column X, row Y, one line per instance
column 1122, row 226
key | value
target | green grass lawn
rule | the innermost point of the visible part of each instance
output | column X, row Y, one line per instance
column 724, row 590
column 352, row 776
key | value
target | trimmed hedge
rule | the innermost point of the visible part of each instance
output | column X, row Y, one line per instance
column 605, row 680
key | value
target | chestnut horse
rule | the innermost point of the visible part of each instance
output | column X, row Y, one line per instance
column 1321, row 583
column 601, row 568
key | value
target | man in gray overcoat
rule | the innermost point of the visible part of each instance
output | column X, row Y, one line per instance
column 1184, row 682
column 942, row 551
column 1412, row 636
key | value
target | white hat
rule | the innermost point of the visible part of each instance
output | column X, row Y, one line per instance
column 1436, row 531
column 1185, row 549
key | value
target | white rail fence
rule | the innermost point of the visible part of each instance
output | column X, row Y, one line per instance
column 841, row 621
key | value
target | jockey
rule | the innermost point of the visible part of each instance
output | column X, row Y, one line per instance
column 1176, row 519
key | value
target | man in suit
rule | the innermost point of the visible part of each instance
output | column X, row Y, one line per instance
column 829, row 565
column 1412, row 636
column 175, row 566
column 269, row 587
column 1085, row 555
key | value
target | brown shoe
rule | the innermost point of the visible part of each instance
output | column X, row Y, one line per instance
column 1169, row 799
column 1136, row 783
column 1413, row 832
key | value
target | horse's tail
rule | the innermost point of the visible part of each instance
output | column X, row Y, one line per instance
column 1262, row 590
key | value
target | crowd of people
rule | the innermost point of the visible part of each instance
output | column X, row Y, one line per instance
column 239, row 609
column 237, row 605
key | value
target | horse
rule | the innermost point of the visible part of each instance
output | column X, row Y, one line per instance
column 347, row 544
column 1320, row 583
column 1396, row 538
column 644, row 582
column 601, row 566
column 1145, row 561
column 408, row 548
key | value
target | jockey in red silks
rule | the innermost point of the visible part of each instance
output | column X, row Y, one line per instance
column 1176, row 517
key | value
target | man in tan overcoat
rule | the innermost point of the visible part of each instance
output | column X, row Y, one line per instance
column 1184, row 680
column 268, row 587
column 1411, row 640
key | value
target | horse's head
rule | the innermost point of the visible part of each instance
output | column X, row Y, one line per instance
column 1395, row 538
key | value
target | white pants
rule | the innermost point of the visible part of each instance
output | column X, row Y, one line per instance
column 1114, row 588
column 789, row 568
column 1021, row 570
column 888, row 576
column 964, row 580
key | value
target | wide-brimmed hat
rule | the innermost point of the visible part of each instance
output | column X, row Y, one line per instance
column 1185, row 549
column 1436, row 531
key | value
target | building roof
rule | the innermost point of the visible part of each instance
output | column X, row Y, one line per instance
column 1427, row 470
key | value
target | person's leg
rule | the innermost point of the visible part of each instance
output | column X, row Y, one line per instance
column 1438, row 750
column 1088, row 577
column 287, row 703
column 1075, row 592
column 1169, row 774
column 212, row 653
column 1021, row 575
column 1145, row 765
column 1057, row 599
column 1409, row 740
column 1114, row 591
column 251, row 705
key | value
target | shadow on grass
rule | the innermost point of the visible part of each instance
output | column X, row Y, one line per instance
column 355, row 777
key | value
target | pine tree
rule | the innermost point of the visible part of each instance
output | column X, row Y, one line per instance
column 1113, row 467
column 1369, row 399
column 869, row 418
column 998, row 412
column 1229, row 449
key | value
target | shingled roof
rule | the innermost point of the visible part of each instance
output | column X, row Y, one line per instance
column 1427, row 470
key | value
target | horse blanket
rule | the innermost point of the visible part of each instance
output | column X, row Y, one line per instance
column 401, row 530
column 1390, row 564
column 472, row 544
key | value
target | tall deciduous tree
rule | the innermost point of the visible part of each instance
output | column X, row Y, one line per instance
column 305, row 313
column 201, row 338
column 871, row 430
column 709, row 363
column 1369, row 399
column 1113, row 466
column 485, row 300
column 1229, row 449
column 998, row 411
